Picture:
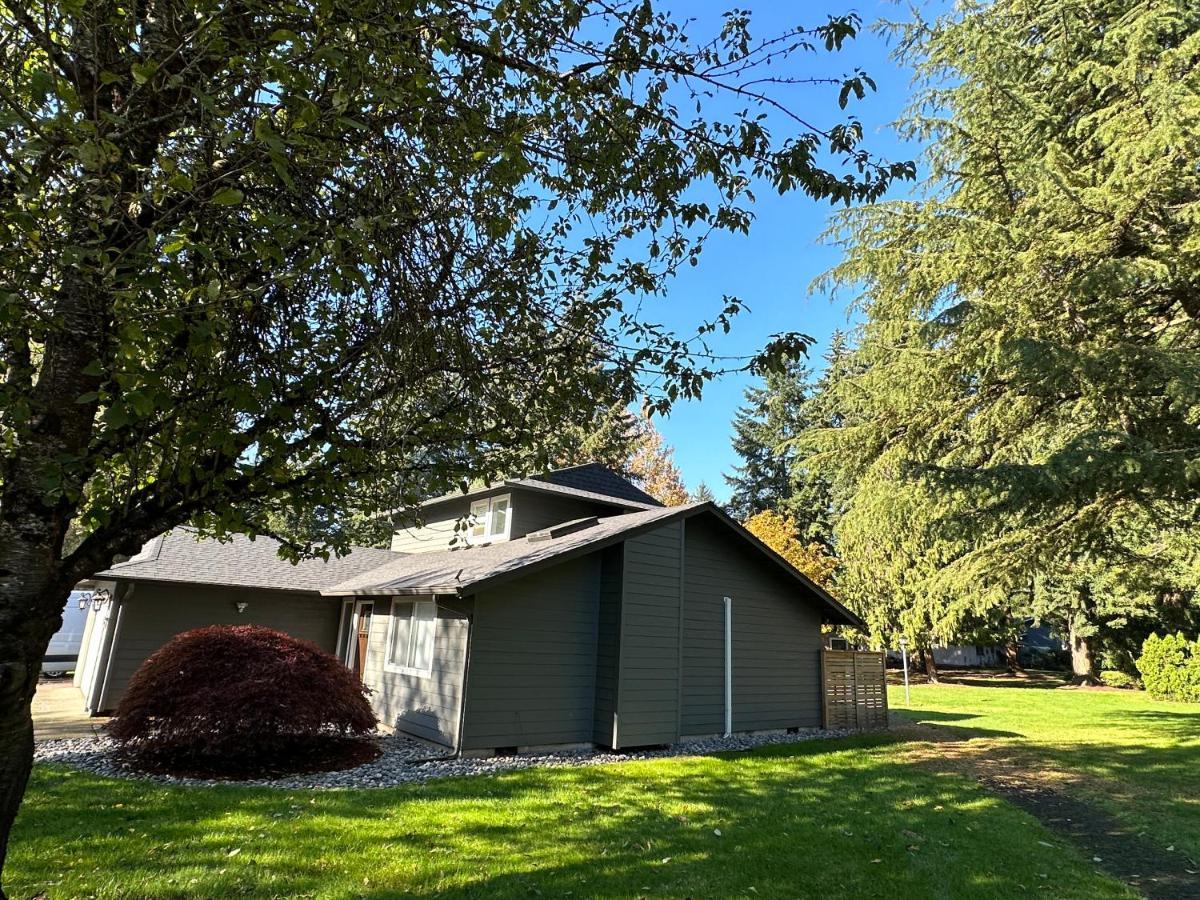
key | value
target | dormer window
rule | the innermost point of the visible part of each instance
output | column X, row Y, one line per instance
column 490, row 519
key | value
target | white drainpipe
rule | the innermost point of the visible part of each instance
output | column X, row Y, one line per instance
column 728, row 666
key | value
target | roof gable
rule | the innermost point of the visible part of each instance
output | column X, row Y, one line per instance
column 474, row 568
column 593, row 482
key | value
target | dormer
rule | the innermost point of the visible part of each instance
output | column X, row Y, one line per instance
column 515, row 507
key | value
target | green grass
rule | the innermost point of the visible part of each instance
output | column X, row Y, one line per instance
column 846, row 818
column 1138, row 758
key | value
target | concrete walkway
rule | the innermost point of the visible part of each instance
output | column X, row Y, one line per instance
column 58, row 712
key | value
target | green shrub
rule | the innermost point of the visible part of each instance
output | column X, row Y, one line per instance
column 1118, row 679
column 1170, row 667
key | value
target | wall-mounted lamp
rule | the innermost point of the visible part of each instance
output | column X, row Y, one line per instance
column 241, row 606
column 95, row 599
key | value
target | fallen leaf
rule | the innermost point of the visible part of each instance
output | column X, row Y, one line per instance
column 717, row 832
column 234, row 852
column 877, row 860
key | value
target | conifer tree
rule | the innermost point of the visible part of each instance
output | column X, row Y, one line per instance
column 1026, row 419
column 772, row 474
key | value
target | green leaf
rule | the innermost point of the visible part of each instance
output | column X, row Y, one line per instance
column 228, row 197
column 143, row 72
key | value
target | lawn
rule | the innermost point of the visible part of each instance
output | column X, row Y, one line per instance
column 1136, row 757
column 838, row 818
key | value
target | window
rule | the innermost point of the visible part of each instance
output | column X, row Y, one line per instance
column 489, row 518
column 410, row 637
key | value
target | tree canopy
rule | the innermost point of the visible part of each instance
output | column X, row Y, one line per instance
column 260, row 256
column 1024, row 425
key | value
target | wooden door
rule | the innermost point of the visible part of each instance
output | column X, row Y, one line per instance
column 362, row 634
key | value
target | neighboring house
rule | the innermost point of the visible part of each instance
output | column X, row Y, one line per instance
column 567, row 609
column 1038, row 647
column 966, row 656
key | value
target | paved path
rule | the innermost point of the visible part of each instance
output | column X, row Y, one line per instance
column 58, row 712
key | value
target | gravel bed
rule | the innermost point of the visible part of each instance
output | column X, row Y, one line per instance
column 406, row 761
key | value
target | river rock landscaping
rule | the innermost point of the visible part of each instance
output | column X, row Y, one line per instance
column 403, row 760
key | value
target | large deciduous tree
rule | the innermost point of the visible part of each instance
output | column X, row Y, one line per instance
column 255, row 254
column 1028, row 415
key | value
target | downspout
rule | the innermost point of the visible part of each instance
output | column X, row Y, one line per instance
column 728, row 666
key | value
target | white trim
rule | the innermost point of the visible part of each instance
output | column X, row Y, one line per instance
column 488, row 506
column 424, row 613
column 728, row 666
column 350, row 651
column 339, row 646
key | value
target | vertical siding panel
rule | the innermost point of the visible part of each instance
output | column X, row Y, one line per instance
column 776, row 638
column 648, row 691
column 608, row 646
column 154, row 612
column 533, row 659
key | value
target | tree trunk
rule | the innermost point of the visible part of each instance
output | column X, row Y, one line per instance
column 1083, row 665
column 16, row 748
column 929, row 664
column 32, row 595
column 1012, row 657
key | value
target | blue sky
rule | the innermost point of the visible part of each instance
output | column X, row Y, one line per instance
column 772, row 268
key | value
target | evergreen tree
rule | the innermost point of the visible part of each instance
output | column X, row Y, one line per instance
column 703, row 494
column 1025, row 422
column 772, row 474
column 761, row 481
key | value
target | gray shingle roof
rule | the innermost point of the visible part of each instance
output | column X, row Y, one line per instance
column 608, row 488
column 598, row 479
column 179, row 556
column 453, row 571
column 471, row 568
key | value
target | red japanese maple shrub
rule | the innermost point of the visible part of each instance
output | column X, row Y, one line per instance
column 243, row 701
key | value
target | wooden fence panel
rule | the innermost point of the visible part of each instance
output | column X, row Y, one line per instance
column 853, row 689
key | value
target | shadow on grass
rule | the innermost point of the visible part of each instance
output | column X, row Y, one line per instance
column 839, row 818
column 942, row 731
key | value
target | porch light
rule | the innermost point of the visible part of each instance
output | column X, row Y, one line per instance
column 241, row 606
column 96, row 599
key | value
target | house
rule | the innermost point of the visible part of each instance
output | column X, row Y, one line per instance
column 561, row 610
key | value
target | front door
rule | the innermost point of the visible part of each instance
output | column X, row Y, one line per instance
column 362, row 633
column 355, row 632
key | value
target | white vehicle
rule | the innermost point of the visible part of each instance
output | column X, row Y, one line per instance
column 63, row 652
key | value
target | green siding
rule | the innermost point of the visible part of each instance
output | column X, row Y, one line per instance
column 427, row 707
column 648, row 688
column 608, row 645
column 532, row 668
column 530, row 511
column 776, row 638
column 154, row 612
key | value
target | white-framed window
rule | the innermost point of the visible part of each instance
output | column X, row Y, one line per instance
column 490, row 518
column 410, row 636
